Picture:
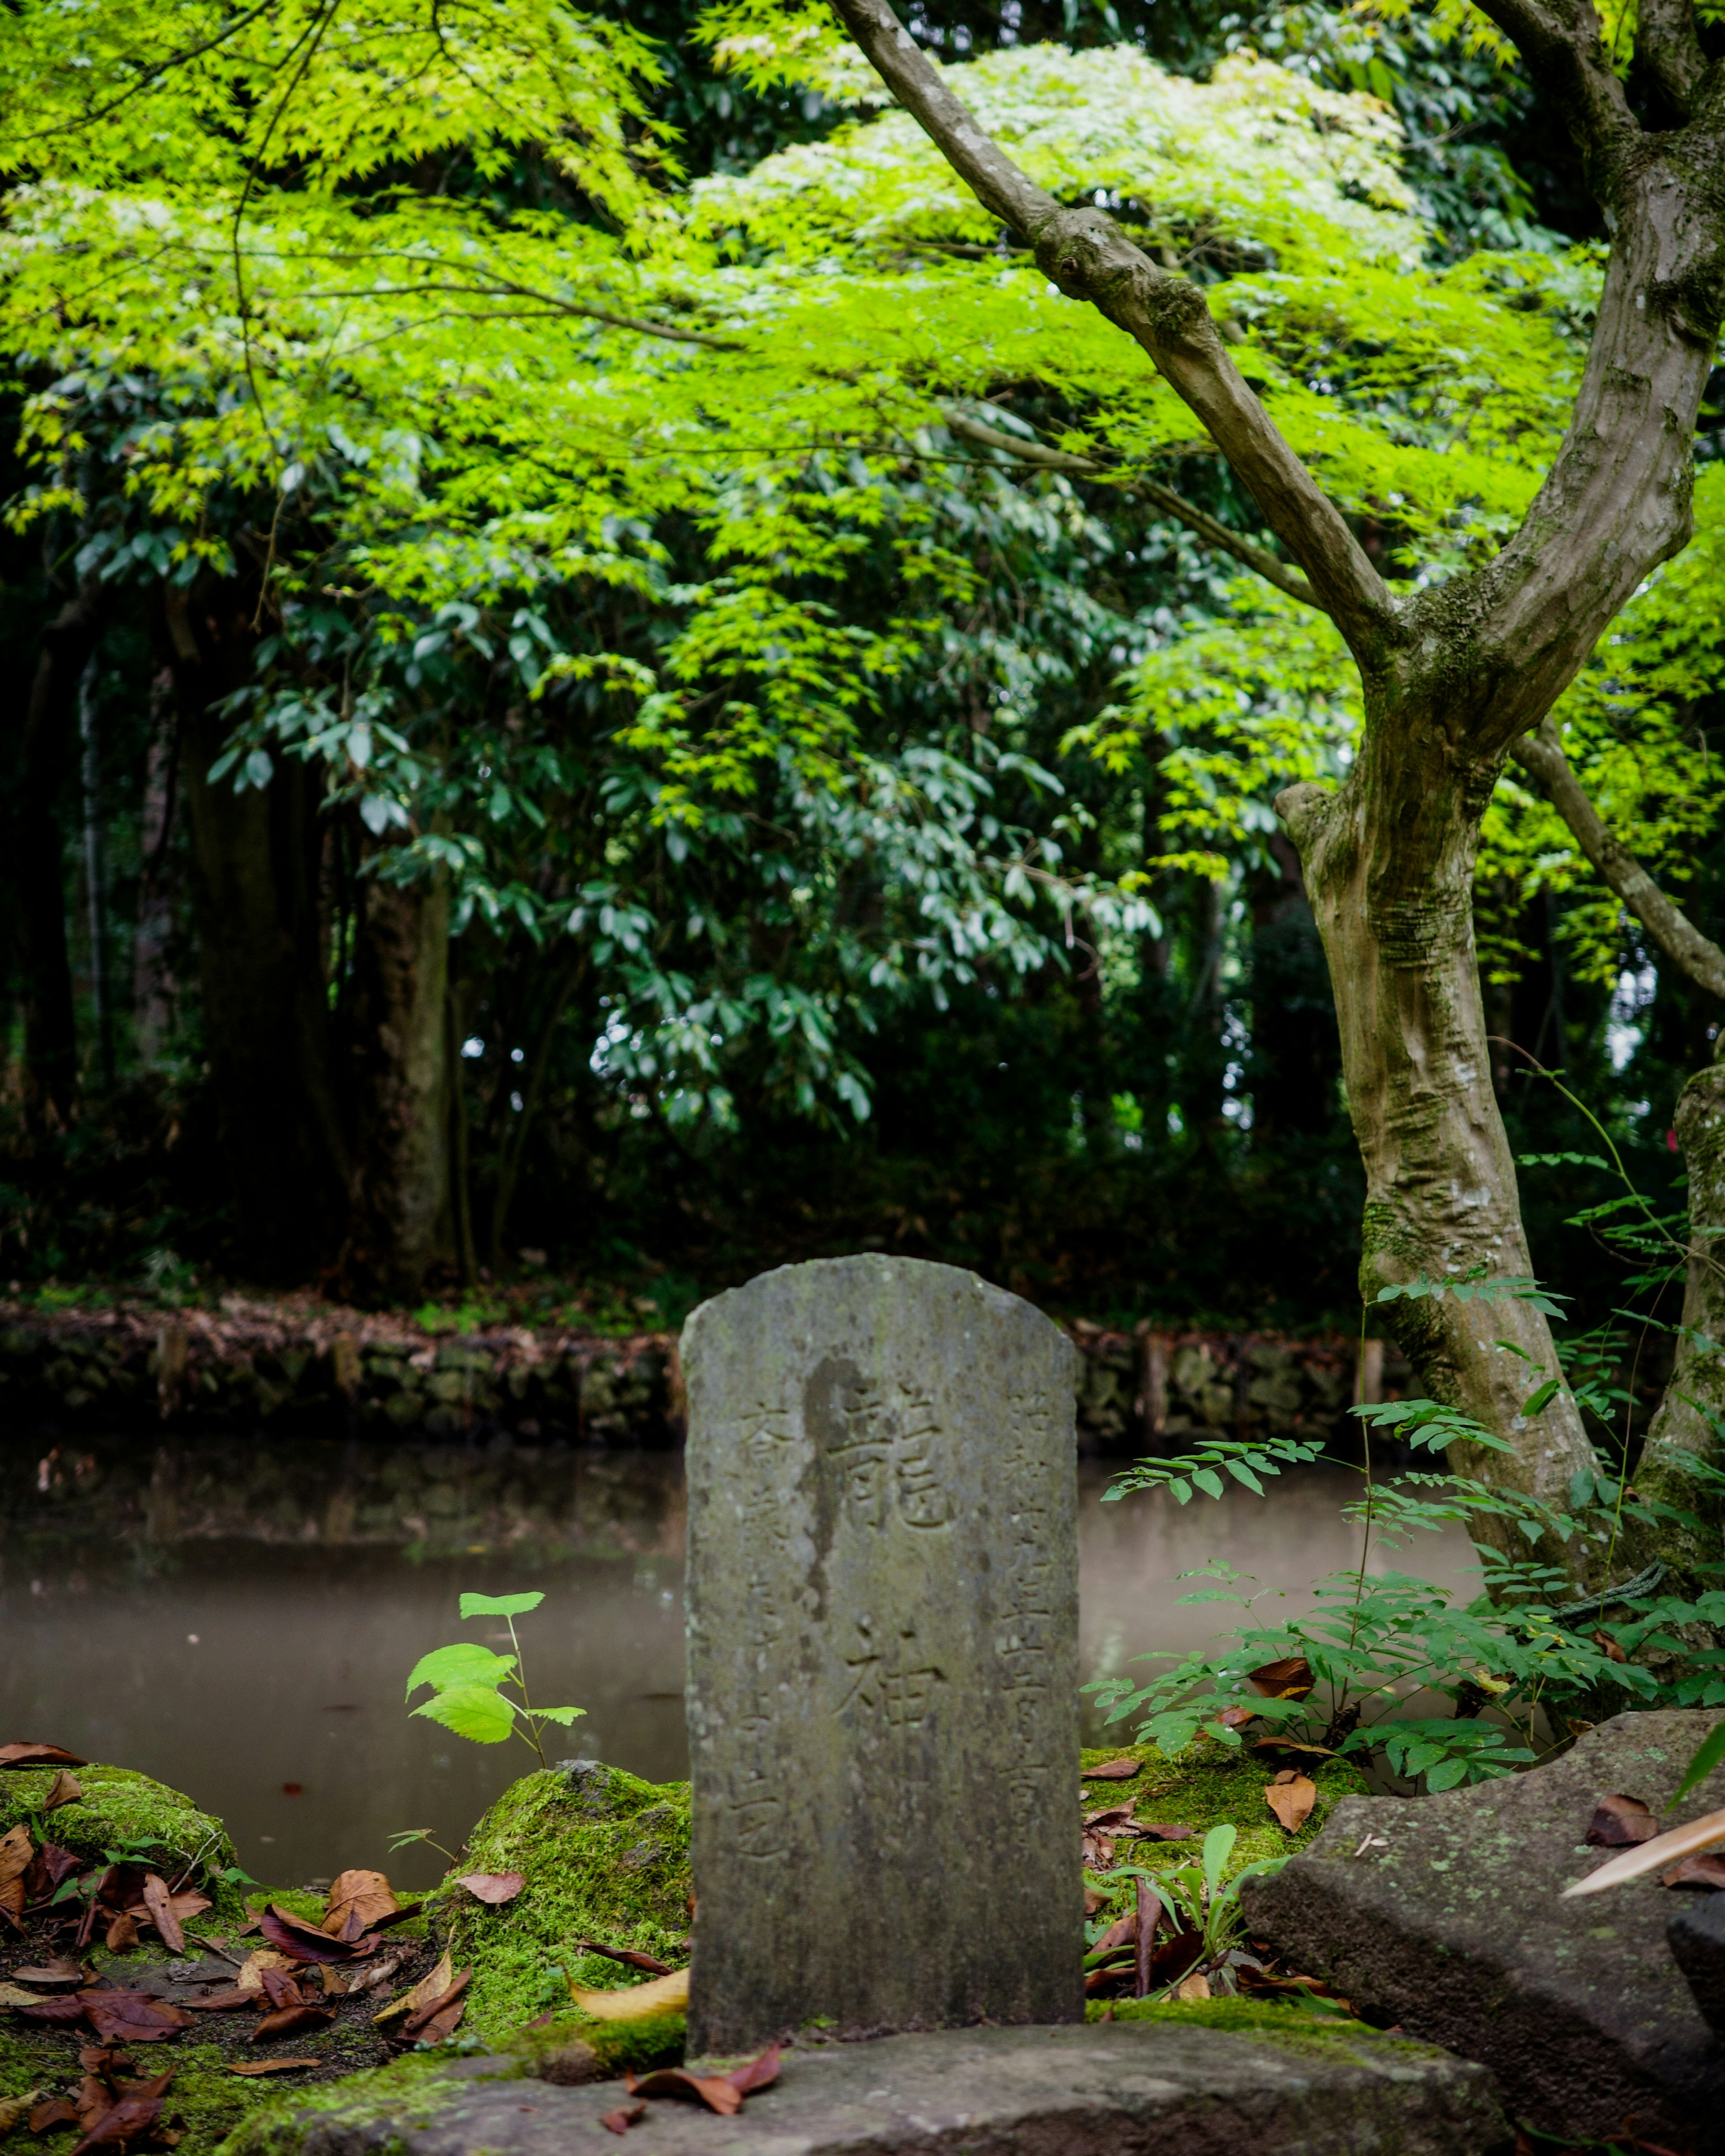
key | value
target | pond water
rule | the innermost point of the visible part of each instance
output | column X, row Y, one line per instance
column 240, row 1623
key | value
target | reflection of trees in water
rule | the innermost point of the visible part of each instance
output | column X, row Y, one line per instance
column 489, row 1496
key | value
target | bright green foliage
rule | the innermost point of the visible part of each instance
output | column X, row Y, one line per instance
column 1204, row 1896
column 467, row 1682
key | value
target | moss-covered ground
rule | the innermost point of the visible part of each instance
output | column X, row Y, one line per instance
column 131, row 1814
column 604, row 1857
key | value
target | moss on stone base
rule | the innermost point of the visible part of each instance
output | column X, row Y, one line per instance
column 605, row 1857
column 121, row 1809
column 1211, row 1785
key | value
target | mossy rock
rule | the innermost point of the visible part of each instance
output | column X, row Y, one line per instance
column 123, row 1810
column 1210, row 1785
column 605, row 1857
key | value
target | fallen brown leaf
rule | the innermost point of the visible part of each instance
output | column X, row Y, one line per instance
column 372, row 1977
column 1113, row 1770
column 334, row 1986
column 625, row 2116
column 281, row 1990
column 758, row 2073
column 442, row 2022
column 626, row 1955
column 1705, row 1872
column 273, row 2065
column 53, row 2009
column 713, row 2090
column 63, row 1789
column 251, row 1970
column 663, row 1992
column 1157, row 1832
column 38, row 1755
column 1609, row 1646
column 16, row 1850
column 14, row 1995
column 289, row 2018
column 358, row 1899
column 1094, row 1901
column 1110, row 1817
column 1663, row 1849
column 1290, row 1797
column 1122, row 1932
column 493, row 1888
column 130, row 2017
column 222, row 2002
column 56, row 1976
column 423, row 1992
column 122, row 1933
column 136, row 2111
column 1236, row 1717
column 436, row 2007
column 1620, row 1822
column 1291, row 1679
column 55, row 2112
column 1192, row 1988
column 161, row 1915
column 12, row 2109
column 304, row 1941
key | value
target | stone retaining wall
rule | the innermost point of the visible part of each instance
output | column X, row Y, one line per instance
column 300, row 1365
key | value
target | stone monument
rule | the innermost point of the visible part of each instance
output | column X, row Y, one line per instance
column 883, row 1680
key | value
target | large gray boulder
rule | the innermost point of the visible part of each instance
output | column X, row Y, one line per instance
column 1115, row 2089
column 1444, row 1916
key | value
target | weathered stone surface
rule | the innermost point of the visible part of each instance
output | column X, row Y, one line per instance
column 1696, row 1938
column 1118, row 2089
column 1444, row 1914
column 882, row 1688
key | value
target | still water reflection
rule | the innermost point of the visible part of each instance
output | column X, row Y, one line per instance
column 260, row 1665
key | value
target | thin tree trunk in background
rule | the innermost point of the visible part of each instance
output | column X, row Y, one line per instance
column 401, row 1220
column 1389, row 861
column 460, row 1187
column 96, row 869
column 51, row 1071
column 1687, row 1425
column 252, row 866
column 512, row 1143
column 155, row 992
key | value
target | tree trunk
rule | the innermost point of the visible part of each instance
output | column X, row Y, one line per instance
column 1389, row 864
column 1685, row 1427
column 50, row 1071
column 96, row 870
column 402, row 1221
column 155, row 992
column 253, row 886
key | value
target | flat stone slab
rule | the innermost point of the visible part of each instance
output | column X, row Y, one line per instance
column 1444, row 1914
column 1111, row 2089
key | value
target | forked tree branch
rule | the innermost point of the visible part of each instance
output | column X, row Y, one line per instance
column 1667, row 45
column 1701, row 959
column 1088, row 257
column 1560, row 42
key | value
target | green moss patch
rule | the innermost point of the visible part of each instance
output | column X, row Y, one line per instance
column 605, row 1857
column 1211, row 1785
column 125, row 1811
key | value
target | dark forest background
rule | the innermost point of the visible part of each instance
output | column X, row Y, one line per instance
column 1162, row 1136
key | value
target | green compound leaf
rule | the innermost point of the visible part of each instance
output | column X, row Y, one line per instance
column 565, row 1715
column 472, row 1711
column 1708, row 1754
column 465, row 1663
column 499, row 1605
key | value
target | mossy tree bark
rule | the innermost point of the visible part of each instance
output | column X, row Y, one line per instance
column 1454, row 674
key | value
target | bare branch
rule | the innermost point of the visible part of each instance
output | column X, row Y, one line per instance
column 1088, row 257
column 1559, row 40
column 1667, row 46
column 1669, row 926
column 1196, row 520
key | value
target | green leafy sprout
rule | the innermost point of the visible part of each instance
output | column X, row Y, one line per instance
column 468, row 1683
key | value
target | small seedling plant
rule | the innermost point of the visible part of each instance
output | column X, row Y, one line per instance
column 1200, row 1897
column 470, row 1686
